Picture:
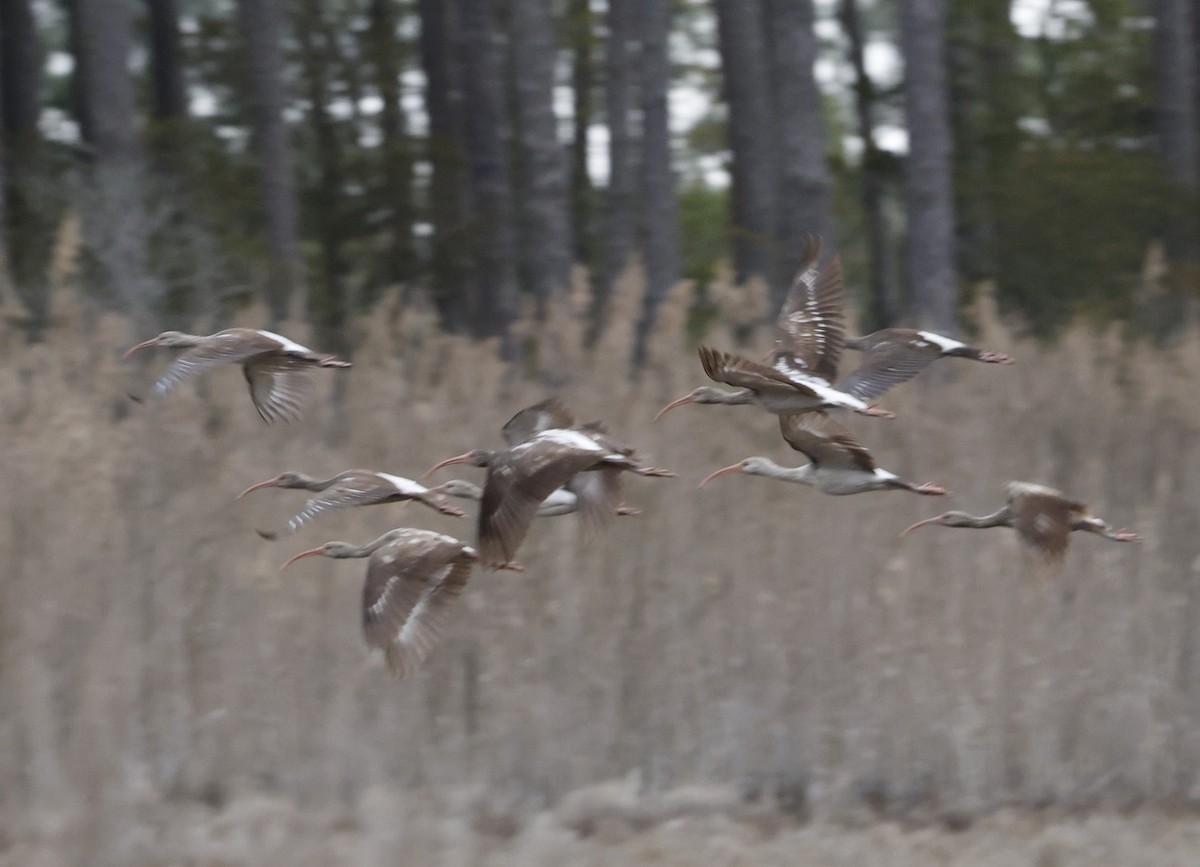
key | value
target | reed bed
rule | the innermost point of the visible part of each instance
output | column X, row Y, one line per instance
column 155, row 667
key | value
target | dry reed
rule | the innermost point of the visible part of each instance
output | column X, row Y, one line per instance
column 154, row 666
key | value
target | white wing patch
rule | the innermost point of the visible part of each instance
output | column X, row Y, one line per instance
column 285, row 344
column 944, row 343
column 573, row 439
column 403, row 485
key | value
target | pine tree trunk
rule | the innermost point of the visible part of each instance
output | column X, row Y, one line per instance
column 451, row 260
column 660, row 217
column 327, row 305
column 491, row 192
column 263, row 28
column 755, row 199
column 582, row 39
column 620, row 88
column 932, row 274
column 883, row 305
column 1176, row 59
column 385, row 55
column 20, row 69
column 545, row 216
column 800, row 130
column 115, row 229
column 166, row 60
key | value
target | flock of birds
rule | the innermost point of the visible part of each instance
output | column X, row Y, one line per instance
column 554, row 465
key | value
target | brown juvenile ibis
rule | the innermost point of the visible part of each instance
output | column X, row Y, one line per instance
column 596, row 496
column 838, row 463
column 519, row 479
column 1043, row 518
column 798, row 376
column 354, row 488
column 560, row 502
column 413, row 579
column 278, row 370
column 896, row 355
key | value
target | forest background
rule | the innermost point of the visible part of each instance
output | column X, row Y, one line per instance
column 484, row 201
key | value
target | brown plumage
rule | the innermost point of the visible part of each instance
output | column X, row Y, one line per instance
column 519, row 479
column 353, row 488
column 896, row 355
column 278, row 370
column 839, row 464
column 799, row 373
column 1043, row 517
column 597, row 496
column 414, row 577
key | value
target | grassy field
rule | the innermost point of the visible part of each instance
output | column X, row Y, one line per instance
column 167, row 697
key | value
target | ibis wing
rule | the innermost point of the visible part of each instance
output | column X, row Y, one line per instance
column 279, row 385
column 888, row 364
column 598, row 494
column 742, row 372
column 546, row 415
column 226, row 347
column 825, row 442
column 517, row 482
column 353, row 489
column 811, row 323
column 410, row 589
column 1043, row 520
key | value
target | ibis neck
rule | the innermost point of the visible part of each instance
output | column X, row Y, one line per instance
column 802, row 475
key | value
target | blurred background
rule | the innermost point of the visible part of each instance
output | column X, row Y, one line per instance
column 482, row 202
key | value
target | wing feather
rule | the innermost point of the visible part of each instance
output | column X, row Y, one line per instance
column 825, row 442
column 280, row 385
column 811, row 323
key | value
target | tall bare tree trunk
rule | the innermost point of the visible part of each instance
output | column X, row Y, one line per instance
column 115, row 227
column 659, row 212
column 491, row 192
column 166, row 60
column 580, row 22
column 384, row 48
column 20, row 106
column 932, row 273
column 545, row 215
column 883, row 306
column 20, row 68
column 1178, row 132
column 1176, row 61
column 800, row 129
column 620, row 94
column 263, row 26
column 327, row 305
column 451, row 257
column 741, row 33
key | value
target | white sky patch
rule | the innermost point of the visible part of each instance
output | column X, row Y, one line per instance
column 60, row 63
column 202, row 102
column 1053, row 19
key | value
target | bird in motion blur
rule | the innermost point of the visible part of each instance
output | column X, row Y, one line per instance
column 896, row 355
column 278, row 370
column 799, row 373
column 1043, row 517
column 547, row 451
column 353, row 488
column 838, row 463
column 414, row 577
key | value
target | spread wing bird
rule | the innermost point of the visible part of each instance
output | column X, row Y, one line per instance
column 277, row 370
column 521, row 478
column 838, row 463
column 896, row 355
column 353, row 488
column 1043, row 517
column 414, row 577
column 798, row 377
